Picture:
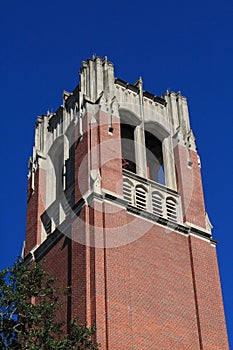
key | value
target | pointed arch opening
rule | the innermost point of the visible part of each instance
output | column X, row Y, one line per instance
column 154, row 158
column 128, row 147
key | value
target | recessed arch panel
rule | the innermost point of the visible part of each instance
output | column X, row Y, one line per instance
column 129, row 117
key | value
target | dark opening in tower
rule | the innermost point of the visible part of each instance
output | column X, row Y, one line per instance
column 154, row 158
column 128, row 147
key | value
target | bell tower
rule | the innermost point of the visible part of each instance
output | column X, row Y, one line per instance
column 116, row 208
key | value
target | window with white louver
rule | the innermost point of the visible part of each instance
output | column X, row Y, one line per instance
column 171, row 209
column 141, row 197
column 152, row 198
column 157, row 204
column 128, row 191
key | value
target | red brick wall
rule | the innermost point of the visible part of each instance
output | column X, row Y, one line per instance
column 35, row 207
column 110, row 154
column 161, row 291
column 56, row 263
column 208, row 295
column 152, row 297
column 190, row 185
column 78, row 269
column 150, row 293
column 98, row 149
column 157, row 290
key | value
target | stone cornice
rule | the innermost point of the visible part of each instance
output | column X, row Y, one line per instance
column 187, row 230
column 135, row 89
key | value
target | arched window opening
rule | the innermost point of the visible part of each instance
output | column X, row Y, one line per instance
column 157, row 204
column 154, row 157
column 141, row 197
column 128, row 147
column 171, row 209
column 128, row 190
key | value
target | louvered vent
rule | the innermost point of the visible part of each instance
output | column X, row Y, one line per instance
column 171, row 210
column 157, row 204
column 141, row 197
column 127, row 191
column 48, row 226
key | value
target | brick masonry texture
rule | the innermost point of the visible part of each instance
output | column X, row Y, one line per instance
column 35, row 207
column 161, row 291
column 190, row 186
column 155, row 288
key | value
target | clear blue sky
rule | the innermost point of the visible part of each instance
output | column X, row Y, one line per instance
column 182, row 45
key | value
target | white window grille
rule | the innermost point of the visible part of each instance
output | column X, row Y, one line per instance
column 152, row 197
column 157, row 204
column 141, row 197
column 127, row 191
column 171, row 209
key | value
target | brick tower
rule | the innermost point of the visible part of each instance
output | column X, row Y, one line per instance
column 116, row 208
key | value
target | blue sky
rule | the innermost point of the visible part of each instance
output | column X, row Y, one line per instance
column 185, row 46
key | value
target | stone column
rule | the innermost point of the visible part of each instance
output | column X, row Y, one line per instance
column 140, row 151
column 169, row 166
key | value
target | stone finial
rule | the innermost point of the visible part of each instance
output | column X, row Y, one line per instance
column 65, row 95
column 208, row 223
column 96, row 77
column 105, row 59
column 139, row 83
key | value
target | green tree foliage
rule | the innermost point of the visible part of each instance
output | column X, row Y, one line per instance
column 29, row 302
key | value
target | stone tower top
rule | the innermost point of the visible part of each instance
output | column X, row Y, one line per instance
column 149, row 135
